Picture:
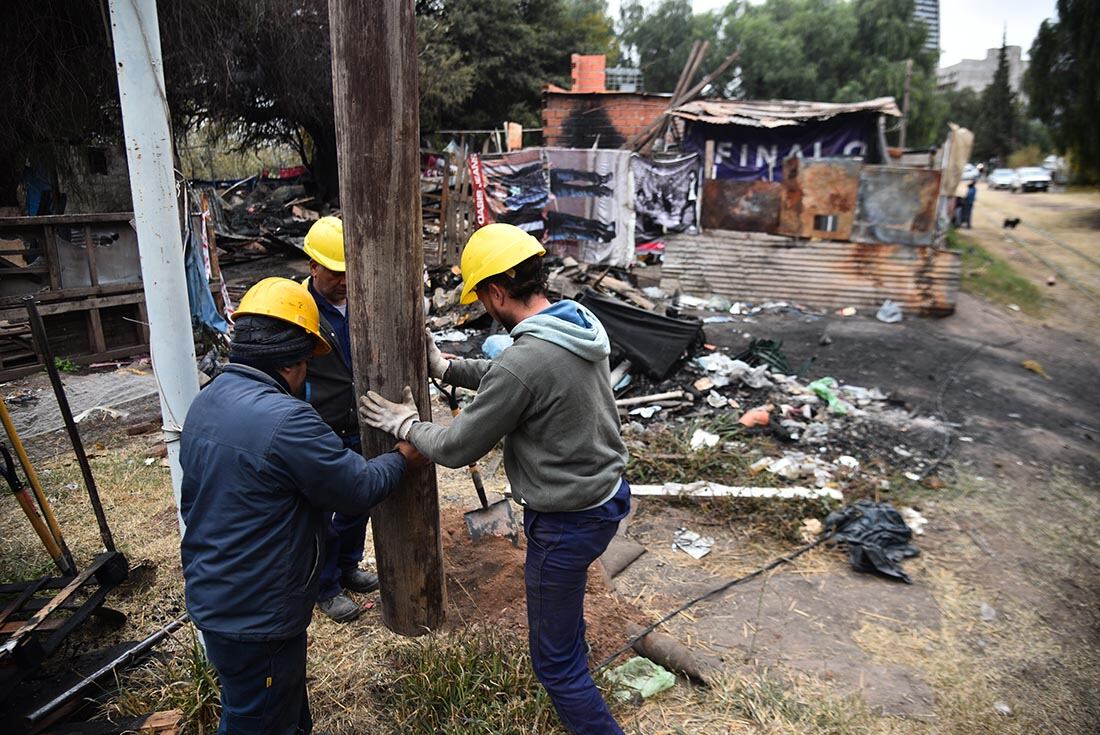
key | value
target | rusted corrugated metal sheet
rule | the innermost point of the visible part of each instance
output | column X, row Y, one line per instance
column 819, row 197
column 777, row 113
column 756, row 267
column 749, row 206
column 896, row 205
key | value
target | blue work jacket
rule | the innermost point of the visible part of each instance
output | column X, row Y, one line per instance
column 260, row 472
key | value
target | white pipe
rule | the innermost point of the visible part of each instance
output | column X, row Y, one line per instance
column 145, row 123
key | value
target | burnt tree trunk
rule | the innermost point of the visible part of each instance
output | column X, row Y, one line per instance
column 374, row 78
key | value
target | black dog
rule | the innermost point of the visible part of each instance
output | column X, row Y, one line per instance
column 1010, row 224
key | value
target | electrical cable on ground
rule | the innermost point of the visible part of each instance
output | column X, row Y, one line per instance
column 717, row 590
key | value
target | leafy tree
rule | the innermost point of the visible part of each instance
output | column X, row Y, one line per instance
column 998, row 129
column 1063, row 82
column 658, row 41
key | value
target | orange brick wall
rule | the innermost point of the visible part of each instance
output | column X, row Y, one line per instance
column 588, row 72
column 572, row 120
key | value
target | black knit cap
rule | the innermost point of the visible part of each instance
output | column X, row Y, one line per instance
column 264, row 339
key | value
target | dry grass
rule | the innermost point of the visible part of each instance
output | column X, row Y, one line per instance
column 364, row 679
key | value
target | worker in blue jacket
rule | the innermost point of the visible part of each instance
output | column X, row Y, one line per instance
column 262, row 473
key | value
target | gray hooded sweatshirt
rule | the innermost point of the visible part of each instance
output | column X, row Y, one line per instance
column 548, row 396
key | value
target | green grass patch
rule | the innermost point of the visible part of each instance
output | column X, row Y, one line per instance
column 990, row 277
column 473, row 683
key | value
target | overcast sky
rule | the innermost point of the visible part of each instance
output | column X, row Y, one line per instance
column 967, row 27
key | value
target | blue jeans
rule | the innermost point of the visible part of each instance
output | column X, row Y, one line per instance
column 344, row 543
column 263, row 685
column 560, row 548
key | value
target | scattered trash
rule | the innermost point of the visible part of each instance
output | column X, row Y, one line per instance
column 450, row 335
column 1002, row 708
column 149, row 461
column 755, row 417
column 912, row 476
column 876, row 536
column 640, row 677
column 811, row 528
column 702, row 438
column 847, row 311
column 1014, row 307
column 848, row 461
column 1035, row 368
column 495, row 344
column 766, row 352
column 703, row 384
column 914, row 520
column 825, row 388
column 692, row 544
column 646, row 412
column 889, row 312
column 717, row 400
column 110, row 412
column 989, row 613
column 727, row 367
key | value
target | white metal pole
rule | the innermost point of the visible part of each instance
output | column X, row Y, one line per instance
column 145, row 122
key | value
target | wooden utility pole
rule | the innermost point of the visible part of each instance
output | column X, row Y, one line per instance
column 375, row 98
column 905, row 105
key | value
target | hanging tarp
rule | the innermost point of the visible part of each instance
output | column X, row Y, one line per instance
column 591, row 210
column 652, row 342
column 666, row 194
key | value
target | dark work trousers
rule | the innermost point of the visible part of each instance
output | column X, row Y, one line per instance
column 344, row 543
column 263, row 685
column 560, row 547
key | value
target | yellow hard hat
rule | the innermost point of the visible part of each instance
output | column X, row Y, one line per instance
column 282, row 298
column 493, row 250
column 325, row 243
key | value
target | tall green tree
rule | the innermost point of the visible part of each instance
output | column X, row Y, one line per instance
column 1063, row 82
column 998, row 129
column 659, row 40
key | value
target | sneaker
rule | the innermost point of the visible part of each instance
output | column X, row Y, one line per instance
column 357, row 580
column 340, row 608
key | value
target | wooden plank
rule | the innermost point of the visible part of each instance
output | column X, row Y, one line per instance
column 66, row 592
column 89, row 253
column 95, row 331
column 374, row 84
column 52, row 262
column 66, row 219
column 102, row 302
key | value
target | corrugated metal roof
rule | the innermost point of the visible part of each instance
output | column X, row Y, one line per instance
column 777, row 113
column 758, row 267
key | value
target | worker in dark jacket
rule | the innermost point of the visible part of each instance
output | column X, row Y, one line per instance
column 549, row 397
column 330, row 389
column 261, row 475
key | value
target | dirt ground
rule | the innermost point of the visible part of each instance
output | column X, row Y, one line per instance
column 1000, row 631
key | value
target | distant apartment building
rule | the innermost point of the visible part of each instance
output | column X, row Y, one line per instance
column 928, row 11
column 976, row 74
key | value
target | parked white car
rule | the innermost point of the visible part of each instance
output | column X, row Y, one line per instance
column 1033, row 178
column 1003, row 178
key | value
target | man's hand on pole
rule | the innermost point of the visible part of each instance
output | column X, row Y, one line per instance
column 393, row 418
column 413, row 456
column 437, row 363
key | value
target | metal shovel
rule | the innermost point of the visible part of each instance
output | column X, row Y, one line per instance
column 490, row 519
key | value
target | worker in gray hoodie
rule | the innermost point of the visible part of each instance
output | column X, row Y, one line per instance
column 549, row 397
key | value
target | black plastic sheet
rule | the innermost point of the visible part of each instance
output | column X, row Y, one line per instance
column 652, row 342
column 876, row 536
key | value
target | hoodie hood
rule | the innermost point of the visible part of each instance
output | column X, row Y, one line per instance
column 569, row 325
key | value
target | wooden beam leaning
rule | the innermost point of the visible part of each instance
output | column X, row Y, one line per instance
column 374, row 81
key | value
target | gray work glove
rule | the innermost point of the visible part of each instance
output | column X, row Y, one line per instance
column 437, row 363
column 393, row 418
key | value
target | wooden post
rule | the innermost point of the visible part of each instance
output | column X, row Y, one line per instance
column 905, row 105
column 374, row 85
